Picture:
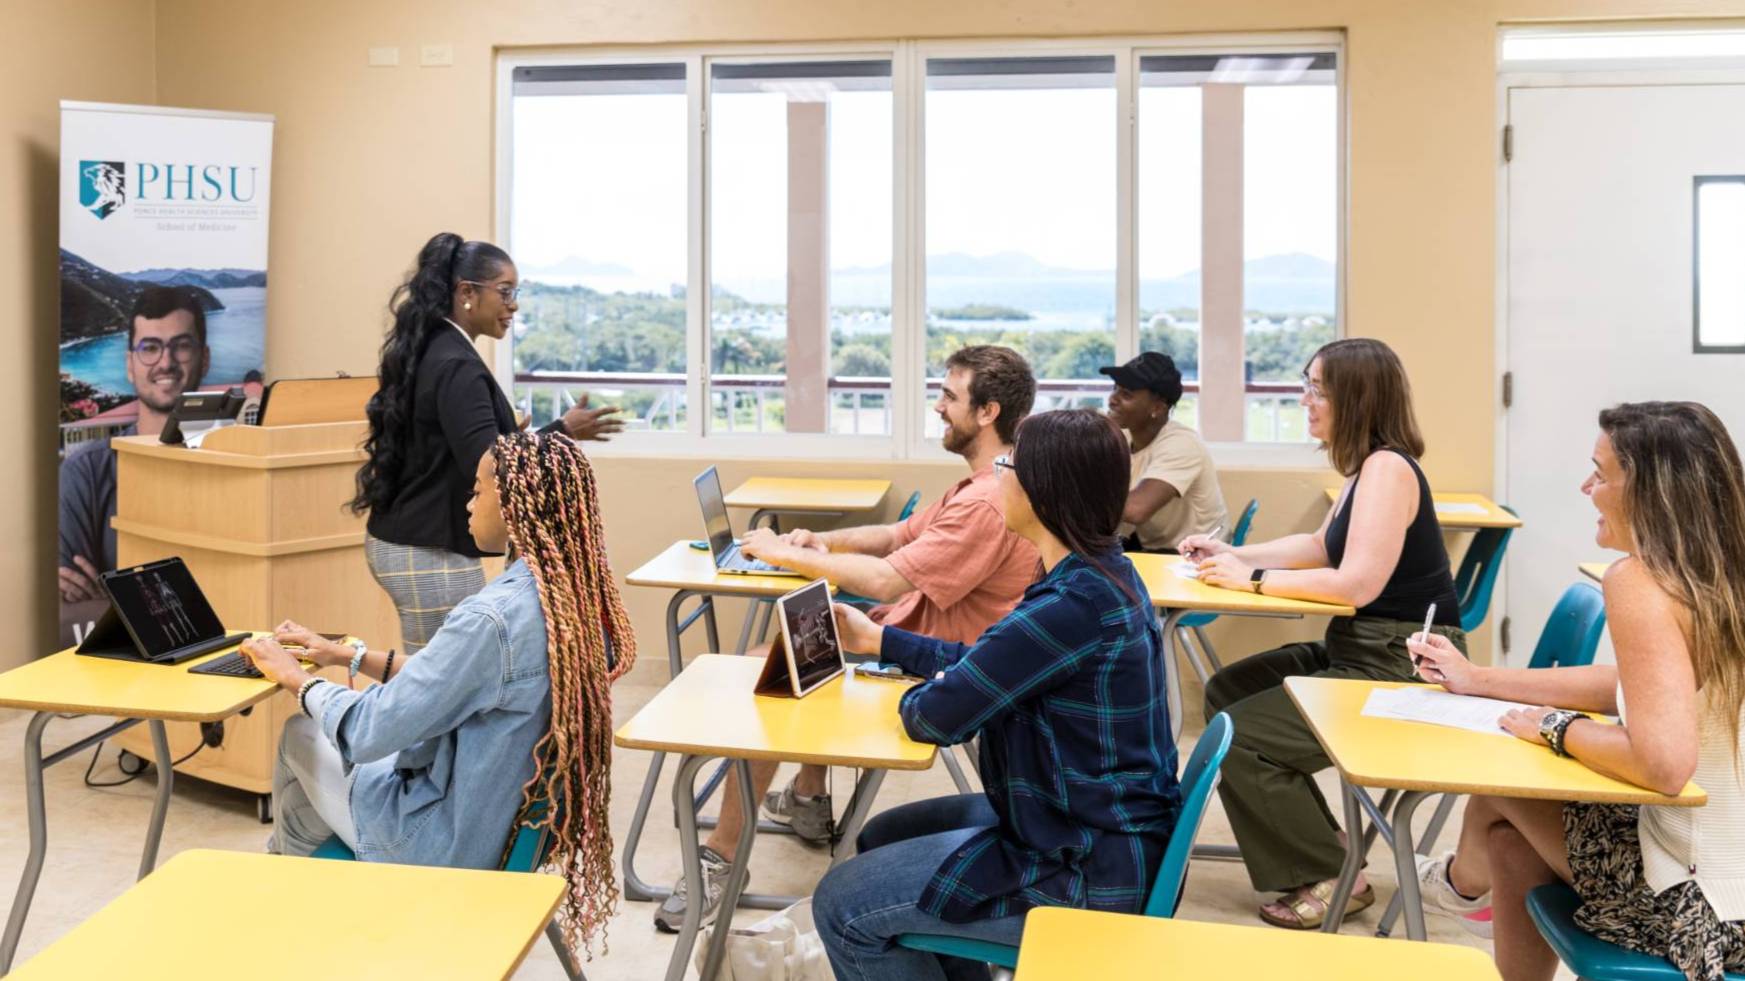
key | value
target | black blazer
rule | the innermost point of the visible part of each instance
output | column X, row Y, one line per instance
column 458, row 410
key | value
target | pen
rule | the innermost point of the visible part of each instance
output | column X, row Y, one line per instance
column 1215, row 533
column 1429, row 615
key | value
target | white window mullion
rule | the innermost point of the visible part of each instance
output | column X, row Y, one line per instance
column 909, row 258
column 697, row 247
column 1126, row 206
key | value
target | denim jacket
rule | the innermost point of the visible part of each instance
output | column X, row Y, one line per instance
column 441, row 753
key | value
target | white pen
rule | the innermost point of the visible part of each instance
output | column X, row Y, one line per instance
column 1215, row 533
column 1424, row 635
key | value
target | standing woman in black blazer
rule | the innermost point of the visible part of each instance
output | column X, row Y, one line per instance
column 437, row 411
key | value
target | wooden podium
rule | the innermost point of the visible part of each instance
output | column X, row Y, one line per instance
column 258, row 513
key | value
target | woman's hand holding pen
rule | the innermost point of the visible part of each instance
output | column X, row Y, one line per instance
column 1199, row 548
column 1439, row 662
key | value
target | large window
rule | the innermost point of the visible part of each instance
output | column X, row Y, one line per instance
column 792, row 240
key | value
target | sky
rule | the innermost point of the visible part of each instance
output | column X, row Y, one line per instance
column 602, row 178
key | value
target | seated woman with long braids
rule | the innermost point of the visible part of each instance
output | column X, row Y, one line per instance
column 509, row 704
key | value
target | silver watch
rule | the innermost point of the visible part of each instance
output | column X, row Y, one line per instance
column 357, row 659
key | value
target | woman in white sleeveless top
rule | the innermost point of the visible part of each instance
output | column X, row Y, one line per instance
column 1668, row 487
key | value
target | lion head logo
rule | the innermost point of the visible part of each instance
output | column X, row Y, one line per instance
column 102, row 186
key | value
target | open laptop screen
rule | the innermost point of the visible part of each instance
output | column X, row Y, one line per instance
column 715, row 523
column 163, row 606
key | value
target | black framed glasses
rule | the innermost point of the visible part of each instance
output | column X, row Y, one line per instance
column 150, row 350
column 509, row 293
column 1004, row 462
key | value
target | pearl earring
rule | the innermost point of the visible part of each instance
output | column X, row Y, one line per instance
column 469, row 306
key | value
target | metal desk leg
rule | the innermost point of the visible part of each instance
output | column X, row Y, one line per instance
column 1406, row 863
column 154, row 832
column 859, row 808
column 1353, row 859
column 1385, row 925
column 948, row 755
column 684, row 786
column 635, row 889
column 1172, row 683
column 34, row 765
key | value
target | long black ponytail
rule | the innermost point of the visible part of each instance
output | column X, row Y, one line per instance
column 419, row 306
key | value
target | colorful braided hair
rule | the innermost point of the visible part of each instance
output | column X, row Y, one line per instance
column 551, row 507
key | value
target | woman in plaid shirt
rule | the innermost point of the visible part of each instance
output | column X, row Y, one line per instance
column 1067, row 693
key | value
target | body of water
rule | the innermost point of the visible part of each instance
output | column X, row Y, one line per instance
column 237, row 336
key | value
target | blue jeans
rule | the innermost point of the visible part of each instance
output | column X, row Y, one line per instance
column 862, row 905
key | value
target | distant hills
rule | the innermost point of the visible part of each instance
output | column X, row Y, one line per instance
column 212, row 279
column 95, row 301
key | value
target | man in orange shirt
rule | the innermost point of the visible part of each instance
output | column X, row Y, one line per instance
column 950, row 572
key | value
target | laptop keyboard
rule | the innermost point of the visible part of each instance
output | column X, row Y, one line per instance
column 232, row 665
column 739, row 560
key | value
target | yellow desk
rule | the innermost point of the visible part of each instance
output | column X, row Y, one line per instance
column 691, row 574
column 824, row 498
column 710, row 710
column 402, row 921
column 1072, row 944
column 1595, row 570
column 1416, row 760
column 130, row 691
column 1176, row 596
column 1462, row 512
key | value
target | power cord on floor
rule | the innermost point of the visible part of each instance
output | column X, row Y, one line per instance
column 130, row 777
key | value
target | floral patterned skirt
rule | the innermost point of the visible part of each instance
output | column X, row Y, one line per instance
column 1619, row 907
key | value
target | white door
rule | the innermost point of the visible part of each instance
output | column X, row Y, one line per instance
column 1600, row 298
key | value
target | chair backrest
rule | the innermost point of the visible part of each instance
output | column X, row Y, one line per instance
column 1572, row 632
column 909, row 506
column 1199, row 778
column 531, row 845
column 1477, row 577
column 1244, row 523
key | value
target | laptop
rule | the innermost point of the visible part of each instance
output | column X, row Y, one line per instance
column 810, row 652
column 720, row 533
column 156, row 614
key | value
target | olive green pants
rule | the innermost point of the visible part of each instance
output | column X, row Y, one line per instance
column 1283, row 826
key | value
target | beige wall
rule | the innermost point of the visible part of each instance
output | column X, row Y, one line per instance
column 370, row 162
column 97, row 51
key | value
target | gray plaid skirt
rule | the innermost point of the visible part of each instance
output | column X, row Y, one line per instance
column 424, row 583
column 1618, row 907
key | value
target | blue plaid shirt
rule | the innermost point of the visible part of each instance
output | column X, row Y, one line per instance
column 1077, row 759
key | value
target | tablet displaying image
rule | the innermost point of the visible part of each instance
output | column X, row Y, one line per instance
column 809, row 634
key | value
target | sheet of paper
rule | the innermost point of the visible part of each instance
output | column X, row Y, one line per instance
column 1440, row 708
column 1186, row 570
column 1460, row 507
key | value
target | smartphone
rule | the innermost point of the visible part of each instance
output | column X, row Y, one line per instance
column 888, row 672
column 700, row 546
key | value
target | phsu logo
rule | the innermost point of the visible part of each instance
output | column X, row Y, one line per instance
column 102, row 186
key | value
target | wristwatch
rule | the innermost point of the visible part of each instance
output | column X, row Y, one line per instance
column 1256, row 578
column 1555, row 726
column 359, row 649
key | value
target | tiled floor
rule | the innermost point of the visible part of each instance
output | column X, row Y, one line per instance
column 95, row 837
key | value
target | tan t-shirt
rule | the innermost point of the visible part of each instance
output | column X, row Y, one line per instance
column 968, row 570
column 1180, row 459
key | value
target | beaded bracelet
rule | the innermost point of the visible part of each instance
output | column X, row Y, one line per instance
column 303, row 692
column 388, row 669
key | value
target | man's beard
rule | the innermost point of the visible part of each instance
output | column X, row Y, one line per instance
column 957, row 440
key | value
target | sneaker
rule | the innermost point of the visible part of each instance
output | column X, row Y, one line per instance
column 670, row 917
column 810, row 817
column 1473, row 915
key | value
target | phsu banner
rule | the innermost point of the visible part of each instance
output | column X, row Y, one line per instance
column 163, row 262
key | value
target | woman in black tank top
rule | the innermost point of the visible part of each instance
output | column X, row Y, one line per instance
column 1380, row 551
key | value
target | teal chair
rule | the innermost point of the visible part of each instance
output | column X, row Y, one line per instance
column 1477, row 577
column 1570, row 639
column 1199, row 778
column 526, row 854
column 1553, row 909
column 1205, row 661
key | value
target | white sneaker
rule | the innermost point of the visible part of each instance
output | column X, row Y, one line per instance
column 1473, row 915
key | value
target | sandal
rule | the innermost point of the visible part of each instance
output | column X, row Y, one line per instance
column 1310, row 907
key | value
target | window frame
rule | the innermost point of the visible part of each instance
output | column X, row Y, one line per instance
column 907, row 439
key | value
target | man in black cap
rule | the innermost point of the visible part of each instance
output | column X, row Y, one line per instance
column 1173, row 491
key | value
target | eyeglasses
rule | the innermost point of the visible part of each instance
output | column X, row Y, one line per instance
column 1313, row 391
column 509, row 293
column 150, row 350
column 1004, row 462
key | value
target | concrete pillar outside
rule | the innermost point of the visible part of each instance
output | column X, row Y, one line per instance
column 1223, row 403
column 808, row 362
